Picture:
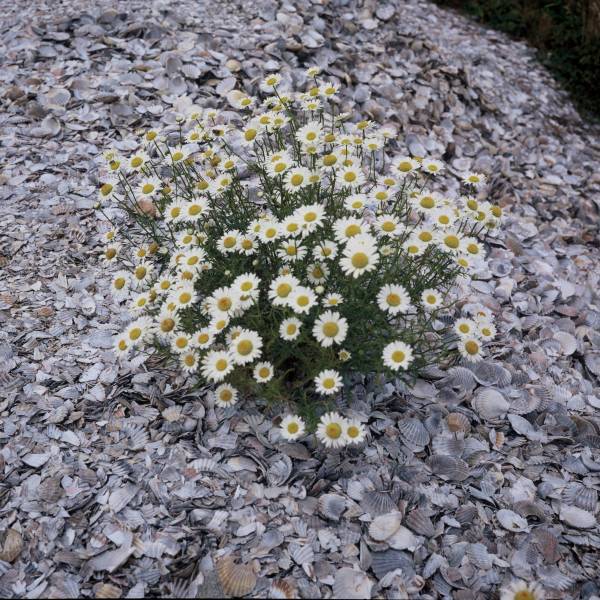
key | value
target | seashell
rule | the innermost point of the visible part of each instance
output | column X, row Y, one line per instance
column 108, row 590
column 413, row 434
column 488, row 373
column 402, row 539
column 578, row 495
column 524, row 427
column 529, row 509
column 459, row 378
column 378, row 503
column 50, row 490
column 547, row 544
column 384, row 526
column 418, row 520
column 490, row 404
column 352, row 584
column 554, row 579
column 283, row 590
column 12, row 546
column 511, row 520
column 236, row 579
column 452, row 468
column 457, row 422
column 390, row 560
column 444, row 444
column 279, row 472
column 567, row 341
column 302, row 555
column 480, row 557
column 205, row 465
column 332, row 506
column 465, row 514
column 121, row 497
column 577, row 517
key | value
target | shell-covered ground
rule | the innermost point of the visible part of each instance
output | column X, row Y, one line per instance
column 115, row 479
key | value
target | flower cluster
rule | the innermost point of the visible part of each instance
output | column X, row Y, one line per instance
column 276, row 251
column 333, row 430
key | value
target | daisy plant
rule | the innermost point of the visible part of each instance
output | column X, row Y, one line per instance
column 279, row 250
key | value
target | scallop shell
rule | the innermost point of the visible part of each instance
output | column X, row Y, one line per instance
column 384, row 526
column 459, row 378
column 390, row 560
column 332, row 506
column 236, row 579
column 413, row 434
column 511, row 520
column 302, row 555
column 457, row 422
column 444, row 444
column 578, row 495
column 378, row 503
column 487, row 373
column 108, row 590
column 402, row 539
column 577, row 517
column 12, row 546
column 352, row 584
column 283, row 590
column 567, row 341
column 452, row 468
column 547, row 544
column 465, row 514
column 490, row 404
column 418, row 520
column 480, row 557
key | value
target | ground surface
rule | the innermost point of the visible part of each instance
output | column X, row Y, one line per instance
column 114, row 480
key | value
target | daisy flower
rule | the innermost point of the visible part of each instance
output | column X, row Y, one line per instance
column 330, row 430
column 140, row 302
column 450, row 241
column 444, row 216
column 312, row 72
column 247, row 284
column 470, row 245
column 359, row 256
column 189, row 361
column 326, row 249
column 263, row 372
column 317, row 273
column 279, row 165
column 388, row 225
column 107, row 189
column 247, row 244
column 355, row 202
column 121, row 346
column 282, row 289
column 329, row 89
column 120, row 285
column 291, row 251
column 470, row 348
column 270, row 81
column 216, row 365
column 177, row 154
column 345, row 229
column 194, row 209
column 333, row 300
column 174, row 212
column 414, row 246
column 228, row 242
column 166, row 322
column 291, row 226
column 351, row 176
column 183, row 296
column 330, row 328
column 225, row 395
column 296, row 179
column 328, row 382
column 397, row 355
column 111, row 253
column 487, row 331
column 380, row 194
column 344, row 355
column 149, row 187
column 465, row 327
column 426, row 202
column 302, row 300
column 137, row 331
column 431, row 299
column 292, row 427
column 224, row 300
column 475, row 179
column 180, row 342
column 142, row 272
column 404, row 165
column 246, row 347
column 269, row 232
column 354, row 431
column 394, row 299
column 137, row 161
column 219, row 323
column 521, row 590
column 431, row 166
column 289, row 329
column 309, row 133
column 310, row 217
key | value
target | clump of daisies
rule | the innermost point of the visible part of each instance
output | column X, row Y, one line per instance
column 277, row 251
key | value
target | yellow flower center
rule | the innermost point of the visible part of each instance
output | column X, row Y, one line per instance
column 496, row 211
column 464, row 328
column 352, row 431
column 177, row 155
column 360, row 260
column 296, row 179
column 147, row 188
column 333, row 430
column 524, row 595
column 119, row 283
column 264, row 372
column 314, row 91
column 195, row 209
column 388, row 226
column 245, row 347
column 202, row 185
column 350, row 177
column 150, row 135
column 293, row 428
column 136, row 162
column 122, row 345
column 110, row 253
column 192, row 260
column 329, row 160
column 291, row 250
column 443, row 219
column 393, row 299
column 311, row 216
column 451, row 241
column 175, row 211
column 311, row 136
column 431, row 299
column 485, row 331
column 224, row 304
column 185, row 297
column 221, row 364
column 317, row 273
column 330, row 329
column 425, row 236
column 106, row 189
column 189, row 360
column 330, row 137
column 181, row 342
column 167, row 325
column 279, row 167
column 229, row 242
column 246, row 286
column 472, row 347
column 427, row 202
column 291, row 329
column 135, row 333
column 247, row 244
column 404, row 166
column 225, row 395
column 283, row 290
column 292, row 227
column 270, row 232
column 472, row 204
column 357, row 204
column 250, row 134
column 398, row 356
column 203, row 338
column 352, row 230
column 303, row 300
column 140, row 272
column 326, row 251
column 473, row 249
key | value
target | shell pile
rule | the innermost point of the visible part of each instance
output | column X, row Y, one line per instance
column 120, row 480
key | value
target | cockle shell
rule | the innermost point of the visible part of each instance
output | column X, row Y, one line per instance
column 283, row 590
column 457, row 422
column 577, row 517
column 490, row 404
column 12, row 545
column 402, row 539
column 583, row 497
column 413, row 434
column 108, row 590
column 378, row 503
column 236, row 579
column 352, row 584
column 511, row 520
column 418, row 520
column 384, row 526
column 332, row 506
column 452, row 468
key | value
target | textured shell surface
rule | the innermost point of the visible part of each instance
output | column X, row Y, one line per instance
column 378, row 503
column 511, row 520
column 413, row 433
column 454, row 469
column 352, row 583
column 450, row 445
column 490, row 404
column 419, row 521
column 332, row 506
column 383, row 526
column 457, row 422
column 402, row 539
column 577, row 517
column 236, row 579
column 478, row 555
column 581, row 496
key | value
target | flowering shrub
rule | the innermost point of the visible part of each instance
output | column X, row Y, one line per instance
column 278, row 250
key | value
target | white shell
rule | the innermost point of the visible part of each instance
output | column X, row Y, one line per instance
column 577, row 517
column 511, row 520
column 402, row 539
column 490, row 404
column 384, row 526
column 352, row 584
